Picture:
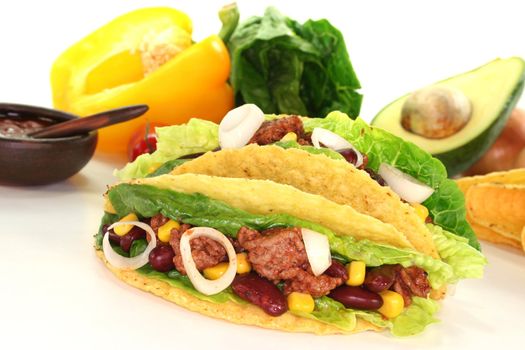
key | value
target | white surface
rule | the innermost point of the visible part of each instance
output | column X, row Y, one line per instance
column 54, row 293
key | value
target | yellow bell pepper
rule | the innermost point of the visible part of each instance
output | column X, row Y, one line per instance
column 144, row 57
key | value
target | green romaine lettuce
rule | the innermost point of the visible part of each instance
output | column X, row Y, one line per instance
column 466, row 261
column 329, row 311
column 173, row 142
column 285, row 67
column 415, row 318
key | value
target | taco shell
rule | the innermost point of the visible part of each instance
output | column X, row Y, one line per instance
column 336, row 180
column 499, row 207
column 516, row 176
column 267, row 197
column 246, row 314
column 495, row 207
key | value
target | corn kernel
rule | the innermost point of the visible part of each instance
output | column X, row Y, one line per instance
column 393, row 304
column 243, row 265
column 121, row 230
column 421, row 211
column 108, row 207
column 356, row 273
column 291, row 136
column 164, row 231
column 300, row 302
column 215, row 272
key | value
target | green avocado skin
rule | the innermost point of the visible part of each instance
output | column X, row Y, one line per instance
column 460, row 159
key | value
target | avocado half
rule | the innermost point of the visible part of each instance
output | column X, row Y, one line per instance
column 493, row 90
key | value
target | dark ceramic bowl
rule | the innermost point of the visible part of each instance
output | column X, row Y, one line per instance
column 31, row 161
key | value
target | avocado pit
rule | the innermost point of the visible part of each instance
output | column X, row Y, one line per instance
column 436, row 112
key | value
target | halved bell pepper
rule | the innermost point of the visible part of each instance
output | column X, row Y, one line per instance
column 145, row 56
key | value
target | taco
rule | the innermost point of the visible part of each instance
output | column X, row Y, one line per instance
column 265, row 222
column 331, row 183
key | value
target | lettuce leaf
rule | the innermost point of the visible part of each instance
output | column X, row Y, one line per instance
column 446, row 205
column 329, row 311
column 415, row 318
column 167, row 167
column 287, row 67
column 466, row 262
column 173, row 142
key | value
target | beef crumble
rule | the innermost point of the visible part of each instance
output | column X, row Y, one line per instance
column 205, row 251
column 279, row 254
column 274, row 130
column 407, row 281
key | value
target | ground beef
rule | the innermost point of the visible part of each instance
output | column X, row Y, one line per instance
column 410, row 281
column 306, row 282
column 274, row 130
column 157, row 221
column 205, row 251
column 416, row 280
column 279, row 254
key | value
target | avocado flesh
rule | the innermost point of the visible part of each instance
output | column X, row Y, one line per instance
column 493, row 90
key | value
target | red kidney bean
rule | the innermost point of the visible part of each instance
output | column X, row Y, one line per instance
column 161, row 258
column 349, row 154
column 356, row 298
column 380, row 278
column 261, row 292
column 337, row 270
column 113, row 237
column 126, row 240
column 375, row 176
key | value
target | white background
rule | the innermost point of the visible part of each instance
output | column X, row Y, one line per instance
column 54, row 293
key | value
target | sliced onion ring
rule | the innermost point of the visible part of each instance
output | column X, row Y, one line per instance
column 317, row 250
column 334, row 141
column 203, row 285
column 408, row 188
column 239, row 125
column 123, row 262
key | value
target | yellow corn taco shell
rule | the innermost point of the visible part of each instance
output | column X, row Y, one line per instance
column 516, row 176
column 246, row 314
column 494, row 227
column 498, row 207
column 267, row 197
column 336, row 180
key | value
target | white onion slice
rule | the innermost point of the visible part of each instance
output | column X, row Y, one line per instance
column 239, row 125
column 317, row 250
column 334, row 141
column 123, row 262
column 200, row 283
column 408, row 188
